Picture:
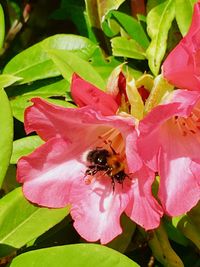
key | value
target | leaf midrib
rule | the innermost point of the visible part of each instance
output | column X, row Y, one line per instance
column 18, row 227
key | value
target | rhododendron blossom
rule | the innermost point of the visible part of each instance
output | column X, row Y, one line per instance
column 169, row 143
column 182, row 66
column 56, row 173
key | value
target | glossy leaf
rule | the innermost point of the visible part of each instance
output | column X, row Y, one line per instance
column 7, row 80
column 130, row 25
column 2, row 27
column 105, row 66
column 97, row 10
column 6, row 136
column 79, row 255
column 159, row 21
column 34, row 63
column 20, row 221
column 42, row 88
column 184, row 11
column 21, row 95
column 187, row 226
column 68, row 63
column 24, row 146
column 124, row 47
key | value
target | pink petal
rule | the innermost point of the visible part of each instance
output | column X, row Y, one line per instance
column 182, row 68
column 49, row 120
column 86, row 94
column 96, row 209
column 143, row 208
column 49, row 172
column 74, row 124
column 151, row 127
column 166, row 148
column 179, row 189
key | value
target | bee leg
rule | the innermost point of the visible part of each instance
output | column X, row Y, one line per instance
column 113, row 184
column 122, row 185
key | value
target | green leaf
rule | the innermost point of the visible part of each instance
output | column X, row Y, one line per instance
column 189, row 225
column 95, row 14
column 79, row 255
column 42, row 88
column 104, row 66
column 6, row 136
column 175, row 234
column 10, row 182
column 2, row 27
column 20, row 95
column 184, row 10
column 77, row 16
column 159, row 21
column 121, row 242
column 34, row 63
column 162, row 249
column 124, row 47
column 97, row 10
column 67, row 63
column 7, row 80
column 24, row 146
column 152, row 3
column 130, row 25
column 21, row 221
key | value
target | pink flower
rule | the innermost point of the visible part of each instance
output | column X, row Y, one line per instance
column 169, row 143
column 86, row 94
column 58, row 172
column 182, row 66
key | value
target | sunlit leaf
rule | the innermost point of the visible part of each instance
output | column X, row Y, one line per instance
column 20, row 221
column 34, row 63
column 6, row 136
column 184, row 10
column 68, row 63
column 127, row 48
column 79, row 255
column 130, row 25
column 98, row 9
column 159, row 21
column 2, row 27
column 24, row 146
column 7, row 80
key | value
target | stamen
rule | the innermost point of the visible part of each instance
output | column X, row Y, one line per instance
column 190, row 125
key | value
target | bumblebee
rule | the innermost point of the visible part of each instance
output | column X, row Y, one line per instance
column 101, row 159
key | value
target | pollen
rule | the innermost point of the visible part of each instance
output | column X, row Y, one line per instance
column 190, row 125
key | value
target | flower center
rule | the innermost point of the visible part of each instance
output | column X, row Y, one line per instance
column 190, row 125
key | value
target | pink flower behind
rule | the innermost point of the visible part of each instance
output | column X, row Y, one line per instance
column 182, row 66
column 86, row 94
column 55, row 174
column 169, row 143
